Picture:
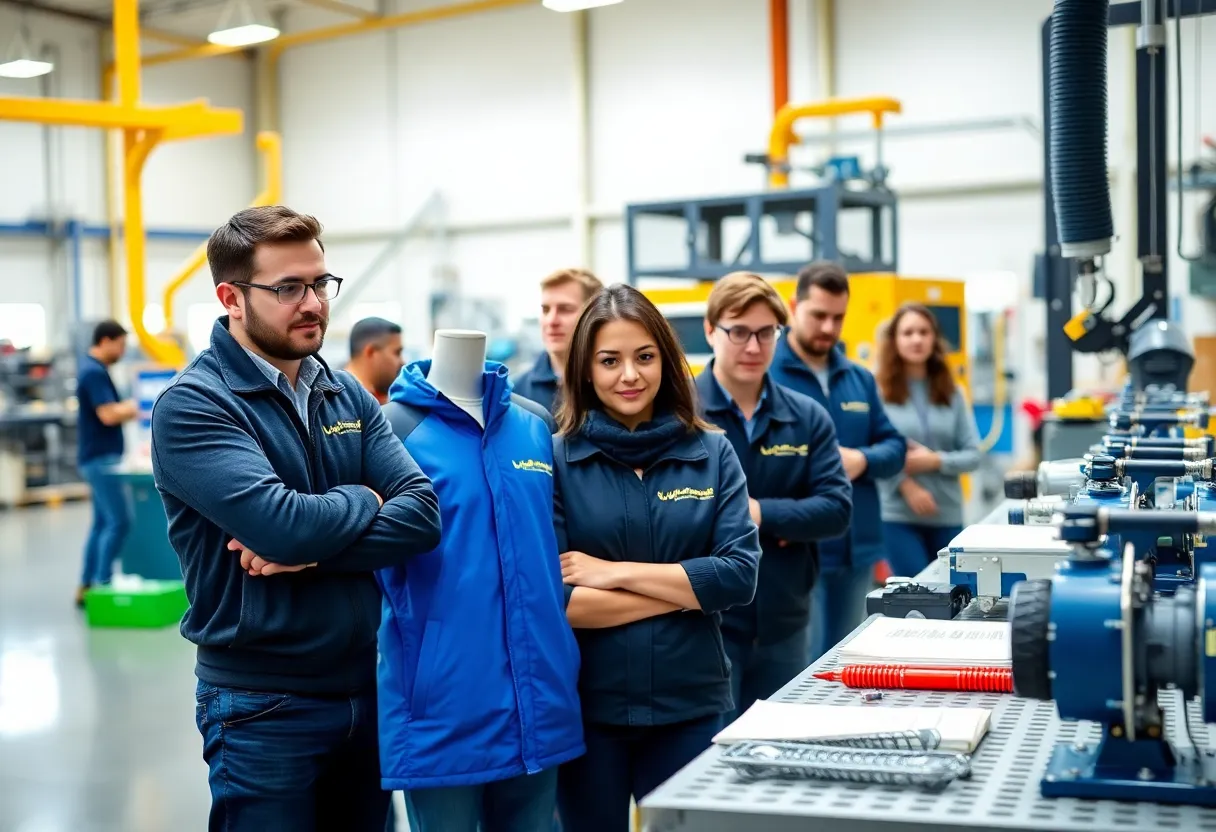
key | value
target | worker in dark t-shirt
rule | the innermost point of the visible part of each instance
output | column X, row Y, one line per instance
column 100, row 449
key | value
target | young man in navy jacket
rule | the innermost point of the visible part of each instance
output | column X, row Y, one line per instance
column 810, row 361
column 563, row 294
column 285, row 490
column 796, row 484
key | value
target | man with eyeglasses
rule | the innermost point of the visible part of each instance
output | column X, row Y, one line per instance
column 285, row 491
column 799, row 493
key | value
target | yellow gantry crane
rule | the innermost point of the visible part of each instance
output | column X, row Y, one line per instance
column 143, row 128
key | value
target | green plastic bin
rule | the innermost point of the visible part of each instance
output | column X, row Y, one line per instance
column 146, row 604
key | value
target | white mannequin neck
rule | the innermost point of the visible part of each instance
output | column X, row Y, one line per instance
column 458, row 361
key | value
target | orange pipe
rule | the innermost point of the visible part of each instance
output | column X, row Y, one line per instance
column 779, row 33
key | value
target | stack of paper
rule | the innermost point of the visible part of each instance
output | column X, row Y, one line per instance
column 961, row 729
column 928, row 642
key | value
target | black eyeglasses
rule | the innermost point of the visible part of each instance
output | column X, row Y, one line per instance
column 290, row 294
column 741, row 334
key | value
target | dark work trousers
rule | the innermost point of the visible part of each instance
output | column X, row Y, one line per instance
column 289, row 763
column 911, row 547
column 624, row 761
column 757, row 671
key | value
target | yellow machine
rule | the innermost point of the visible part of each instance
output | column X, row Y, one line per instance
column 873, row 299
column 849, row 216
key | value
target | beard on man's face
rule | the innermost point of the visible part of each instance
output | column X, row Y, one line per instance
column 816, row 348
column 281, row 345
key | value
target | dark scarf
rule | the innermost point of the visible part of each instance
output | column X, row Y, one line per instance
column 636, row 448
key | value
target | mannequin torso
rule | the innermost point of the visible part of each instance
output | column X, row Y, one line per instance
column 457, row 363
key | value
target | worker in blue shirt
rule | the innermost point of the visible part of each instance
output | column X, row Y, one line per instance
column 811, row 360
column 102, row 413
column 797, row 488
column 651, row 512
column 562, row 297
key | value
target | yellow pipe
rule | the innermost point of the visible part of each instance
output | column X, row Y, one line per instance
column 177, row 121
column 782, row 136
column 126, row 50
column 169, row 37
column 271, row 148
column 111, row 193
column 375, row 24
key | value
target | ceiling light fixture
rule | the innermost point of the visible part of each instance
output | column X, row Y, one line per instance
column 238, row 27
column 576, row 5
column 19, row 60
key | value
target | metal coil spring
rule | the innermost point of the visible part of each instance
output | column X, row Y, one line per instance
column 932, row 770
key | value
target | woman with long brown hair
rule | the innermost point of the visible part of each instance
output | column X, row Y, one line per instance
column 652, row 518
column 922, row 507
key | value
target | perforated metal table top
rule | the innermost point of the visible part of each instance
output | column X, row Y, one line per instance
column 1002, row 793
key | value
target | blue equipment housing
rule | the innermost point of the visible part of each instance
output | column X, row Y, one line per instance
column 1098, row 640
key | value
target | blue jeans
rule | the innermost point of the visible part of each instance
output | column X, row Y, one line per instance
column 757, row 671
column 911, row 547
column 624, row 761
column 519, row 804
column 838, row 605
column 293, row 763
column 111, row 519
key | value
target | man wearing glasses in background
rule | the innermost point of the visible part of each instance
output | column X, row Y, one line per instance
column 285, row 490
column 799, row 493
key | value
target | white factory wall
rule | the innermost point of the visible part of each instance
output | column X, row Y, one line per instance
column 190, row 185
column 482, row 111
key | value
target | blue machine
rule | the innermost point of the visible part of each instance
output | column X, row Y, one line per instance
column 1100, row 642
column 1136, row 484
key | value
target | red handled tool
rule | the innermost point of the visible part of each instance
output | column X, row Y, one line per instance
column 987, row 679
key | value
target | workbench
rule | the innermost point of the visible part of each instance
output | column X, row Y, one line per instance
column 1001, row 794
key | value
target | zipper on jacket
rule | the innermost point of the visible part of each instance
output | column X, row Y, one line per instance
column 642, row 484
column 526, row 754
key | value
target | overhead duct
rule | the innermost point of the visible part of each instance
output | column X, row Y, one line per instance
column 1078, row 128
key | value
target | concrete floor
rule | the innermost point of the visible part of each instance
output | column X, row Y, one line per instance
column 96, row 726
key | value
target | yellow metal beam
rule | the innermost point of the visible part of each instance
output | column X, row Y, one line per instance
column 374, row 24
column 169, row 37
column 782, row 134
column 177, row 120
column 379, row 24
column 143, row 128
column 126, row 50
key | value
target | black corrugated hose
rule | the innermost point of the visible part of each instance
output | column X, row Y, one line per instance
column 1078, row 126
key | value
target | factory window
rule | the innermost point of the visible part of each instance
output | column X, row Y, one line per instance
column 23, row 325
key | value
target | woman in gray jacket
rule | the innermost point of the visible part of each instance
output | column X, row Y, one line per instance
column 922, row 507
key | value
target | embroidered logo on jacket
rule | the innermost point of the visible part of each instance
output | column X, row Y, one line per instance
column 855, row 407
column 686, row 494
column 341, row 426
column 532, row 465
column 784, row 450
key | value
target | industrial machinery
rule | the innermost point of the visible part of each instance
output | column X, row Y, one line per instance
column 1145, row 460
column 1099, row 641
column 776, row 232
column 1078, row 219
